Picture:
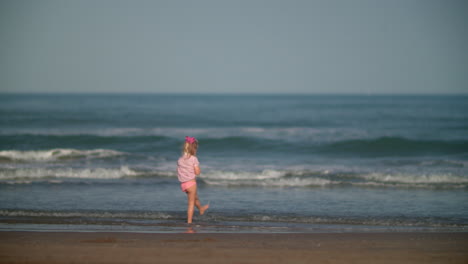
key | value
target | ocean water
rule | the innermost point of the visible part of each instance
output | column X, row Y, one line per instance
column 270, row 163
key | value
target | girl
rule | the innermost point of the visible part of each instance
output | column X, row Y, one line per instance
column 187, row 169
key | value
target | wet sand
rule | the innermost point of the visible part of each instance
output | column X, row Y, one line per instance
column 75, row 247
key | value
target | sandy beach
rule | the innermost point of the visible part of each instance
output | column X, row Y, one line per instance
column 76, row 247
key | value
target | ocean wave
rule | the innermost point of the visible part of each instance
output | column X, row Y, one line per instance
column 266, row 178
column 307, row 178
column 417, row 179
column 293, row 182
column 25, row 175
column 273, row 133
column 395, row 146
column 56, row 154
column 401, row 180
column 238, row 142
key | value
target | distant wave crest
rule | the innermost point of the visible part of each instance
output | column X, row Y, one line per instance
column 396, row 146
column 55, row 154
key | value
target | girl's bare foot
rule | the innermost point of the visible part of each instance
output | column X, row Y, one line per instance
column 204, row 208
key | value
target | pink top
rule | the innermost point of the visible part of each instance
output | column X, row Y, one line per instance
column 185, row 168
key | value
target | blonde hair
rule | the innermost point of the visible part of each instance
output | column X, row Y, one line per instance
column 190, row 148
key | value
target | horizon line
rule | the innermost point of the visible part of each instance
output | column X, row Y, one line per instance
column 232, row 93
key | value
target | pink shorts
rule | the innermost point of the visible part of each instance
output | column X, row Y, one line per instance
column 185, row 185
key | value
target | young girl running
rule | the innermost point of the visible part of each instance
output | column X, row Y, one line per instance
column 188, row 168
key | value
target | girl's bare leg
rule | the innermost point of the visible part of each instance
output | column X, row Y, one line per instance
column 202, row 209
column 194, row 201
column 191, row 197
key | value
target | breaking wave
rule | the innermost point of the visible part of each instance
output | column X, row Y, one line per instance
column 274, row 178
column 85, row 173
column 56, row 154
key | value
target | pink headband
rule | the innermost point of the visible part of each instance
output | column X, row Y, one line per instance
column 190, row 140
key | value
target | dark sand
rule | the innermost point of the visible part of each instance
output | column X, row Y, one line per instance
column 74, row 247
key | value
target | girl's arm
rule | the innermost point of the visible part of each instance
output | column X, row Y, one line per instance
column 197, row 170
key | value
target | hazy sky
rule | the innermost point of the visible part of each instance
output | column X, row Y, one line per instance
column 237, row 46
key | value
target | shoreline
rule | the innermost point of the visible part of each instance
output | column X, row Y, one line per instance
column 126, row 247
column 208, row 227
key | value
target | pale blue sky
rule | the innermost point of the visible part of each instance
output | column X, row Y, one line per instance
column 245, row 46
